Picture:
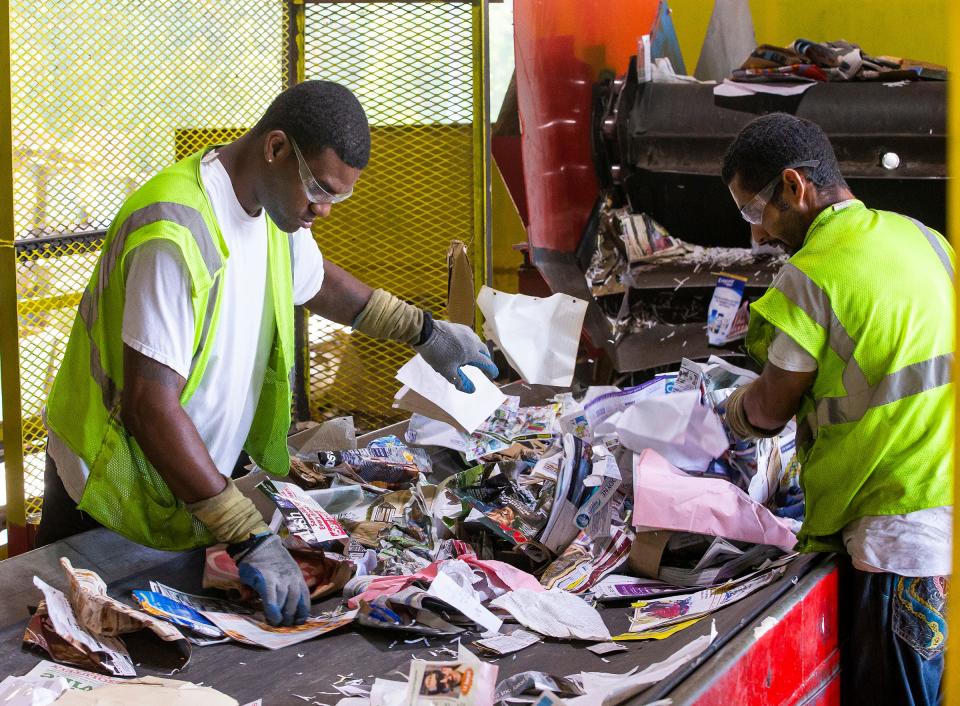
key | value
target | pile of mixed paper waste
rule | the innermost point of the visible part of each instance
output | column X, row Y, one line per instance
column 631, row 247
column 495, row 514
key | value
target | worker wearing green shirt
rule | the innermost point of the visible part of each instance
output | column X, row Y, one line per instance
column 856, row 340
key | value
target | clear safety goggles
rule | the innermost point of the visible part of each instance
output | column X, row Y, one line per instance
column 311, row 187
column 752, row 210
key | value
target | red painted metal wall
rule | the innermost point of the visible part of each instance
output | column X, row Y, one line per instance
column 795, row 661
column 561, row 48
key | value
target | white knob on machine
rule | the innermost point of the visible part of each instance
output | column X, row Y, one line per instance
column 890, row 160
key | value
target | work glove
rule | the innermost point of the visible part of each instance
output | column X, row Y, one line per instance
column 735, row 416
column 267, row 567
column 451, row 346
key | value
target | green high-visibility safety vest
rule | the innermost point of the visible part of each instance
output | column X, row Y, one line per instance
column 870, row 297
column 124, row 492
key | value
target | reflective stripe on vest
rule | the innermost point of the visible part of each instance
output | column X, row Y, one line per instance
column 935, row 244
column 189, row 218
column 861, row 396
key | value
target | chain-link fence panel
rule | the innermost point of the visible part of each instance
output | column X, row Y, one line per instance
column 105, row 93
column 412, row 65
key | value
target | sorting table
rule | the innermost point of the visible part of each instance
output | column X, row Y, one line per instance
column 779, row 645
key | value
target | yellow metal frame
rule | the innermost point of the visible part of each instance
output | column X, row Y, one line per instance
column 482, row 245
column 951, row 674
column 9, row 324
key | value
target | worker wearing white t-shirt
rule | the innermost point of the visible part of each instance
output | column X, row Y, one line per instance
column 304, row 155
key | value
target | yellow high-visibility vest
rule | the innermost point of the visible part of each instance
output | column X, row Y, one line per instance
column 870, row 296
column 124, row 491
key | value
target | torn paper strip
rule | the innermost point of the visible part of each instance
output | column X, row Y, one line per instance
column 255, row 632
column 555, row 614
column 446, row 589
column 603, row 689
column 507, row 644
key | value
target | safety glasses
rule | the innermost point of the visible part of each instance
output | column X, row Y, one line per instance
column 752, row 210
column 315, row 193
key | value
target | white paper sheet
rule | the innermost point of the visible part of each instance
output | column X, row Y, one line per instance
column 31, row 691
column 506, row 644
column 468, row 409
column 739, row 89
column 555, row 614
column 667, row 498
column 446, row 589
column 606, row 648
column 539, row 337
column 248, row 631
column 689, row 435
column 424, row 431
column 604, row 689
column 728, row 40
column 386, row 692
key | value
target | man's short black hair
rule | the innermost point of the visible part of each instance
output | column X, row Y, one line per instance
column 321, row 114
column 771, row 143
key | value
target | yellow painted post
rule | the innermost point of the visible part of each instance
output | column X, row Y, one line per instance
column 481, row 146
column 9, row 321
column 951, row 675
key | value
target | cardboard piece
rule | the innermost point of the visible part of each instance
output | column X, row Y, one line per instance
column 337, row 434
column 461, row 304
column 646, row 553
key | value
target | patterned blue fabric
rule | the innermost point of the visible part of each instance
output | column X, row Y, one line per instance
column 919, row 615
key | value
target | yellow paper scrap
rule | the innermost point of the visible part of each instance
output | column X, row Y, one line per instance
column 658, row 634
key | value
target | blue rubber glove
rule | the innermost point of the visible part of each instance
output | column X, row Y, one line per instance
column 450, row 347
column 267, row 567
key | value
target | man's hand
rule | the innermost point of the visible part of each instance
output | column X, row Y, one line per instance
column 267, row 567
column 450, row 347
column 763, row 407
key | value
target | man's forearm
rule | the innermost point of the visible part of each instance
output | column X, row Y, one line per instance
column 173, row 446
column 758, row 413
column 341, row 297
column 764, row 406
column 152, row 413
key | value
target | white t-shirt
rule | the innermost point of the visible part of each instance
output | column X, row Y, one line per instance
column 158, row 322
column 914, row 544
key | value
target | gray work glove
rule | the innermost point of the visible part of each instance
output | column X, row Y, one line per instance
column 450, row 347
column 267, row 567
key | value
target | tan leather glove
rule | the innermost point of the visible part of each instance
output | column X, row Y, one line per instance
column 230, row 515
